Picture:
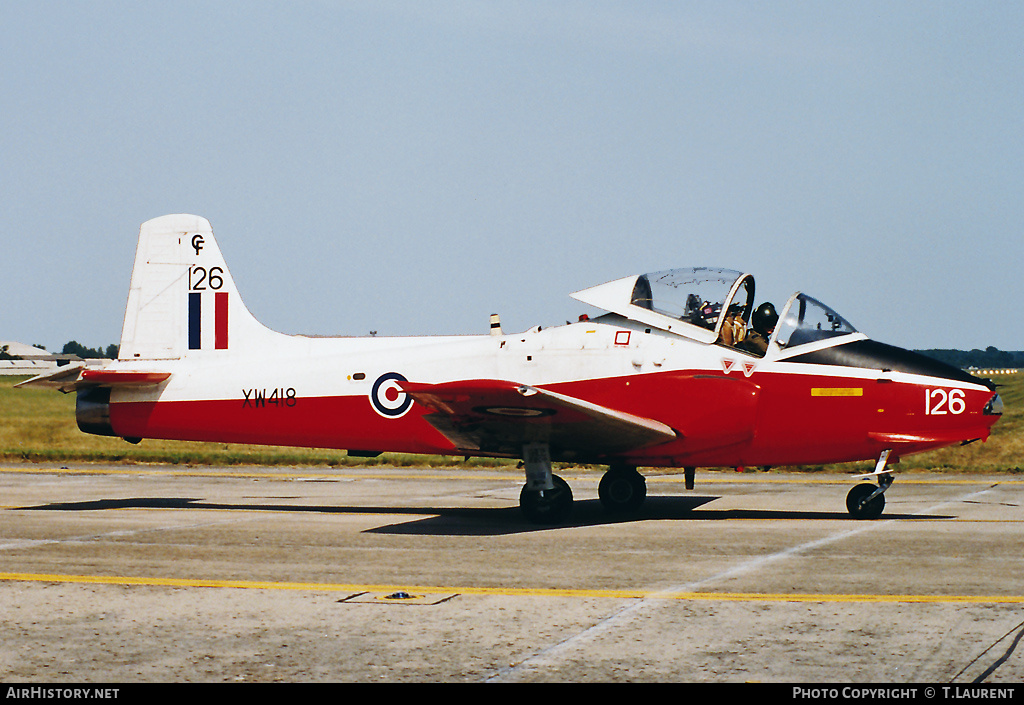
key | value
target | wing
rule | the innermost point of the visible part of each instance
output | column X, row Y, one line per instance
column 499, row 417
column 74, row 377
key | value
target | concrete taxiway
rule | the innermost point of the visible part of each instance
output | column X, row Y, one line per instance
column 157, row 573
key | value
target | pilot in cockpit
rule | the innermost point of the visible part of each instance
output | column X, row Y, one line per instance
column 763, row 323
column 734, row 328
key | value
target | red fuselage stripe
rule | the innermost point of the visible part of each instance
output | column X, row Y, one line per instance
column 722, row 420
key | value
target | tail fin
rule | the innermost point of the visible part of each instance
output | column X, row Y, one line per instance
column 182, row 300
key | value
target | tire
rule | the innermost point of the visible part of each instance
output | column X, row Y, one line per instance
column 622, row 491
column 855, row 502
column 547, row 506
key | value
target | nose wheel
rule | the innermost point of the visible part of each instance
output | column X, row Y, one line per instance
column 866, row 501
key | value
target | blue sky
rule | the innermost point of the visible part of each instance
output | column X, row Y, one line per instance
column 411, row 167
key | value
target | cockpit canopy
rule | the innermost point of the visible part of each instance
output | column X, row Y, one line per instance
column 697, row 296
column 699, row 302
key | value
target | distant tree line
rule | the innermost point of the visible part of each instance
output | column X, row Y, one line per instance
column 73, row 347
column 989, row 357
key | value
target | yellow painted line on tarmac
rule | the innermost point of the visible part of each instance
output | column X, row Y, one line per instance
column 715, row 477
column 510, row 592
column 192, row 472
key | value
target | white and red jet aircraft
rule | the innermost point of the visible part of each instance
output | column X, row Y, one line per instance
column 681, row 372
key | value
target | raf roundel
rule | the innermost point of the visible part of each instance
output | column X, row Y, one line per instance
column 387, row 396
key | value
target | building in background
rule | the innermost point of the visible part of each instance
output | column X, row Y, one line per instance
column 20, row 359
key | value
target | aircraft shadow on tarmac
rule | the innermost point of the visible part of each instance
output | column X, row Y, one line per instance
column 486, row 521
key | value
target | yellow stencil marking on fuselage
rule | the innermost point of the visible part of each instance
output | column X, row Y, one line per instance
column 837, row 391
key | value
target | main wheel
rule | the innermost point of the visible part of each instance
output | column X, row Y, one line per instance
column 858, row 508
column 547, row 506
column 622, row 490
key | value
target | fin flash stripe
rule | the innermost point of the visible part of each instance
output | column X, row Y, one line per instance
column 220, row 321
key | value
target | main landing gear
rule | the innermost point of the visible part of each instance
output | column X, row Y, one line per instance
column 622, row 489
column 547, row 499
column 547, row 506
column 866, row 501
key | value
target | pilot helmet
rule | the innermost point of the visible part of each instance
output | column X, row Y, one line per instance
column 764, row 319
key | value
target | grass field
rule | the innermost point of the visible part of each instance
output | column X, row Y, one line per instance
column 39, row 425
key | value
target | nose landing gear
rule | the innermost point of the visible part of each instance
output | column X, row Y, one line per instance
column 865, row 501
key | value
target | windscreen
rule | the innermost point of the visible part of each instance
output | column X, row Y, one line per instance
column 807, row 320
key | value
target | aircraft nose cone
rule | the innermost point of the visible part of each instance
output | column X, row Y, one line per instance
column 994, row 406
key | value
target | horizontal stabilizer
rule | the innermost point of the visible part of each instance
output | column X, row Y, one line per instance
column 63, row 378
column 500, row 417
column 74, row 377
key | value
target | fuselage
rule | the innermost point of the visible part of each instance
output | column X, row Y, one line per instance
column 806, row 405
